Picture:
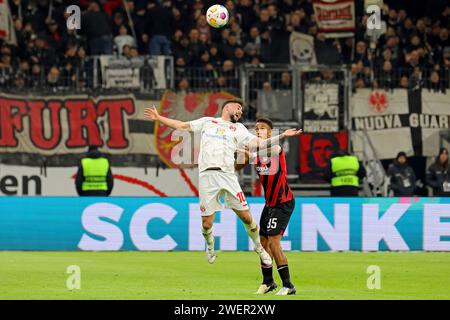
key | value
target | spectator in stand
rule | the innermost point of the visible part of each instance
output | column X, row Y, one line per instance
column 180, row 68
column 214, row 56
column 159, row 27
column 203, row 26
column 179, row 22
column 118, row 22
column 407, row 29
column 438, row 175
column 24, row 68
column 53, row 78
column 36, row 76
column 361, row 53
column 326, row 51
column 138, row 16
column 386, row 76
column 183, row 84
column 54, row 36
column 70, row 63
column 204, row 41
column 253, row 41
column 266, row 45
column 245, row 14
column 195, row 46
column 231, row 45
column 279, row 35
column 19, row 82
column 123, row 38
column 6, row 71
column 404, row 82
column 181, row 50
column 239, row 56
column 434, row 84
column 285, row 81
column 228, row 72
column 444, row 19
column 41, row 53
column 412, row 62
column 71, row 37
column 97, row 27
column 297, row 24
column 402, row 176
column 134, row 52
column 421, row 29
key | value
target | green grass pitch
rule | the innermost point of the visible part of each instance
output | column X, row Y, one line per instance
column 235, row 275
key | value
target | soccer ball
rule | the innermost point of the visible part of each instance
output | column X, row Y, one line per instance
column 217, row 16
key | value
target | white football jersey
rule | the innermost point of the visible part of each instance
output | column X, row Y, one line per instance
column 219, row 141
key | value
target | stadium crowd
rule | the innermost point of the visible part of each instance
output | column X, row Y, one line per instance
column 415, row 50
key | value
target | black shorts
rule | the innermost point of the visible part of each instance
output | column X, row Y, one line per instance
column 274, row 220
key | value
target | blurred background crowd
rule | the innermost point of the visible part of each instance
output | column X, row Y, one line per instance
column 414, row 50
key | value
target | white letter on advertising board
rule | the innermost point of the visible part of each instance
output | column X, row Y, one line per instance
column 139, row 222
column 73, row 282
column 224, row 231
column 375, row 229
column 374, row 280
column 434, row 229
column 92, row 223
column 314, row 222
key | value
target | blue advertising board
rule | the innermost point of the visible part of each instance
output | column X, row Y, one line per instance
column 163, row 224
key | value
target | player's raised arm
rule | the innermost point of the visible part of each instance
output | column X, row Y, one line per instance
column 268, row 143
column 152, row 114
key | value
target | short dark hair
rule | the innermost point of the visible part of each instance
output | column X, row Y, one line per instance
column 266, row 121
column 232, row 101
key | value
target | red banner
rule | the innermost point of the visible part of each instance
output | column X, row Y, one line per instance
column 315, row 151
column 185, row 107
column 61, row 126
column 335, row 17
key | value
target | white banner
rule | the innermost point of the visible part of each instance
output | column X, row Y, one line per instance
column 400, row 121
column 120, row 72
column 302, row 49
column 132, row 182
column 321, row 108
column 6, row 26
column 336, row 18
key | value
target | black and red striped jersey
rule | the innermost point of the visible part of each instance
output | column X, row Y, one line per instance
column 273, row 177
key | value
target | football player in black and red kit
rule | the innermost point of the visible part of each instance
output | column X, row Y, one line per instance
column 270, row 165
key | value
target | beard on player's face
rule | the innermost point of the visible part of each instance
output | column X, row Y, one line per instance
column 235, row 116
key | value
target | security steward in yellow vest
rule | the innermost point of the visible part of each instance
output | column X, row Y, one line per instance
column 345, row 173
column 94, row 176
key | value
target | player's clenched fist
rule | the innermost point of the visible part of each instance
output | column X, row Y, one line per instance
column 151, row 113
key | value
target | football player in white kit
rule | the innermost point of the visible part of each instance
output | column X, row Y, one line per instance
column 220, row 139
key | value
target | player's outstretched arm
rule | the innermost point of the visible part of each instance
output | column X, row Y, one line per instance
column 268, row 143
column 152, row 114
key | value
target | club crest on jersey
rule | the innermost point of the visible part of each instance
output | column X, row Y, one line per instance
column 263, row 169
column 233, row 128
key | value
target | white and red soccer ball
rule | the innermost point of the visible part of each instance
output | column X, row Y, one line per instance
column 217, row 16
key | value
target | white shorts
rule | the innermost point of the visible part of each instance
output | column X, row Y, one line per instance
column 214, row 184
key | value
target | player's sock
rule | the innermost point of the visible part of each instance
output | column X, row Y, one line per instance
column 284, row 275
column 267, row 274
column 209, row 237
column 252, row 231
